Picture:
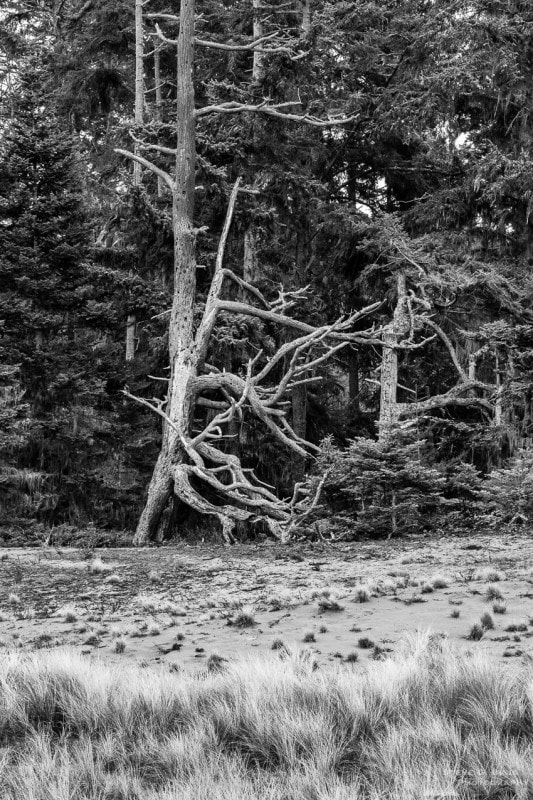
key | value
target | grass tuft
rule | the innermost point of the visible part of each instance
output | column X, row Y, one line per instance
column 492, row 593
column 516, row 627
column 499, row 607
column 439, row 581
column 97, row 566
column 476, row 632
column 362, row 594
column 243, row 619
column 489, row 574
column 486, row 621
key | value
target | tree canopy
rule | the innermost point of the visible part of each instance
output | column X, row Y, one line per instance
column 281, row 252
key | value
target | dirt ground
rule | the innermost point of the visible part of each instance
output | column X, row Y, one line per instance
column 179, row 605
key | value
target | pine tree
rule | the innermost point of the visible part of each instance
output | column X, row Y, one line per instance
column 379, row 488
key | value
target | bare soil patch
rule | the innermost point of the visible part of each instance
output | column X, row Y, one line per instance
column 347, row 603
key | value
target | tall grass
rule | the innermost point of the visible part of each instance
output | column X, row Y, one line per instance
column 425, row 723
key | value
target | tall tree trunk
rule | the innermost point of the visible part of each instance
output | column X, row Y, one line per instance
column 306, row 16
column 257, row 68
column 394, row 331
column 130, row 337
column 353, row 384
column 158, row 104
column 181, row 341
column 137, row 174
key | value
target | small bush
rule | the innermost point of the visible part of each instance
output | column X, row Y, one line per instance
column 322, row 629
column 455, row 613
column 154, row 629
column 365, row 643
column 309, row 637
column 70, row 615
column 426, row 588
column 278, row 644
column 120, row 645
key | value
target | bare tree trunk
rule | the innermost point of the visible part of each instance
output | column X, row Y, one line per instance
column 299, row 426
column 137, row 174
column 306, row 16
column 258, row 57
column 498, row 406
column 181, row 342
column 394, row 331
column 130, row 337
column 139, row 81
column 250, row 262
column 158, row 104
column 353, row 383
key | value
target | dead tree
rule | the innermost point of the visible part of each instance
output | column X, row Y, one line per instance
column 189, row 460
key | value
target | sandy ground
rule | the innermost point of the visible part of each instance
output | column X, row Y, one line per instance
column 178, row 605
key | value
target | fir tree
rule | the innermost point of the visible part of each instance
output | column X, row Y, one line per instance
column 382, row 488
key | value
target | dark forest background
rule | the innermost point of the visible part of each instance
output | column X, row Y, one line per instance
column 432, row 179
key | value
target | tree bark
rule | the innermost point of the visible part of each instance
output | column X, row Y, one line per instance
column 158, row 105
column 353, row 384
column 137, row 173
column 306, row 16
column 130, row 337
column 258, row 57
column 183, row 364
column 389, row 410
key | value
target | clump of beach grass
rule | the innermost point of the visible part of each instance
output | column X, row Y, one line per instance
column 489, row 574
column 492, row 593
column 97, row 566
column 425, row 722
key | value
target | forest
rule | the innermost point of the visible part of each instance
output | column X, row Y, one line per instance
column 266, row 269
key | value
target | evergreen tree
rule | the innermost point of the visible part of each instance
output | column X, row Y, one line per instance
column 379, row 488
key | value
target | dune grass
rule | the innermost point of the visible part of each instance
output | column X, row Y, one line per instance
column 425, row 723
